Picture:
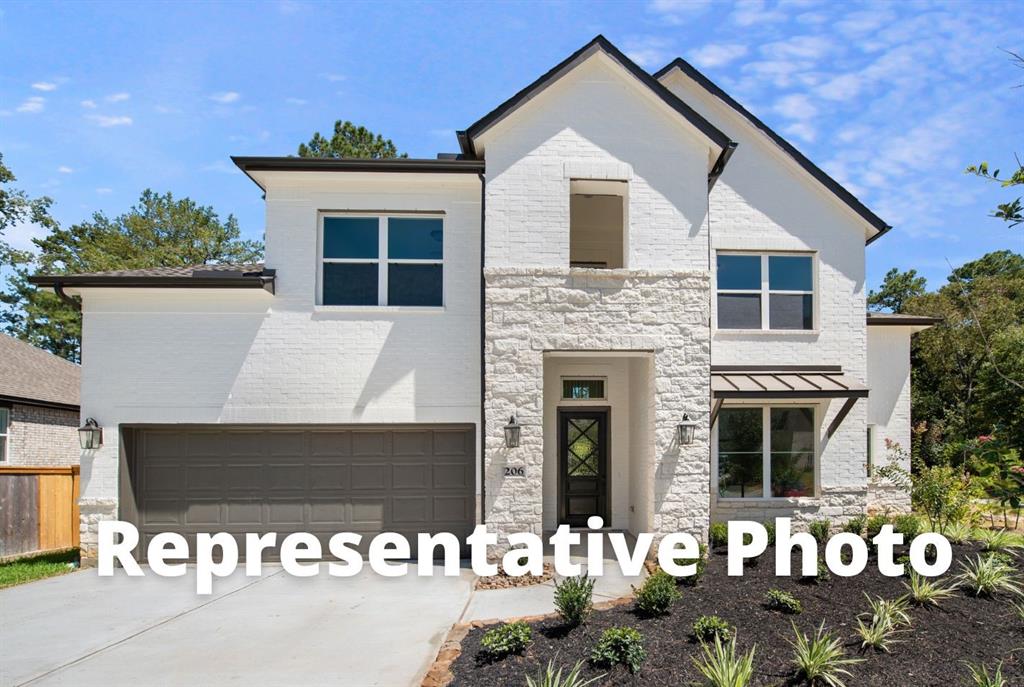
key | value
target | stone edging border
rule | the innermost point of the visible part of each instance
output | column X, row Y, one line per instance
column 440, row 674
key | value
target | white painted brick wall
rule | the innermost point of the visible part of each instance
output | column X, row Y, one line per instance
column 218, row 356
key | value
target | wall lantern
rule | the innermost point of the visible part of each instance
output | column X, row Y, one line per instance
column 512, row 433
column 90, row 435
column 685, row 430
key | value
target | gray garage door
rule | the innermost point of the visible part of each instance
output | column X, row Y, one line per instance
column 321, row 480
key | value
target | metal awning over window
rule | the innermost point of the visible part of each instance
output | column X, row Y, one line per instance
column 783, row 383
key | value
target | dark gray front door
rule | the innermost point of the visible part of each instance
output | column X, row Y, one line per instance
column 322, row 480
column 583, row 465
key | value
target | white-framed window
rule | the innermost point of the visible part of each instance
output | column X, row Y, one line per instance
column 766, row 451
column 381, row 260
column 870, row 462
column 5, row 430
column 765, row 290
column 584, row 389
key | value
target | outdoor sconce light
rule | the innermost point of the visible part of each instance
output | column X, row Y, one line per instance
column 512, row 433
column 90, row 435
column 685, row 430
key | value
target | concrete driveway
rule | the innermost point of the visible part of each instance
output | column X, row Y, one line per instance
column 84, row 630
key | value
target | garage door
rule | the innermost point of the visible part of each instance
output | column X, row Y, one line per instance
column 321, row 480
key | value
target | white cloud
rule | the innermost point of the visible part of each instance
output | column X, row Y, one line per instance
column 64, row 169
column 676, row 12
column 334, row 78
column 798, row 47
column 842, row 87
column 802, row 130
column 295, row 101
column 718, row 54
column 32, row 105
column 226, row 97
column 118, row 97
column 780, row 73
column 750, row 12
column 103, row 190
column 44, row 86
column 795, row 106
column 20, row 235
column 111, row 120
column 89, row 104
column 648, row 51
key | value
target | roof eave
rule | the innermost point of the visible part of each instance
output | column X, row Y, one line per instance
column 263, row 281
column 387, row 165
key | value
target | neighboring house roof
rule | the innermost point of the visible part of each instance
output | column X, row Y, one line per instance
column 598, row 44
column 898, row 320
column 446, row 165
column 33, row 376
column 254, row 276
column 876, row 222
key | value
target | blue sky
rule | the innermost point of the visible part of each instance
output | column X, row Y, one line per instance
column 101, row 100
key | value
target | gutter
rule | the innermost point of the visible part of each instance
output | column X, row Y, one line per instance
column 39, row 403
column 264, row 281
column 326, row 164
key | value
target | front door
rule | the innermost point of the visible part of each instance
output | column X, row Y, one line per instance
column 583, row 465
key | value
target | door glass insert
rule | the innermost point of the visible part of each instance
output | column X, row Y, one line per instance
column 583, row 448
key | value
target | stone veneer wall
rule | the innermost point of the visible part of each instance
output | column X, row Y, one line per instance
column 529, row 311
column 91, row 512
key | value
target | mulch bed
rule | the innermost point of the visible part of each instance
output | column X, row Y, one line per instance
column 933, row 652
column 505, row 581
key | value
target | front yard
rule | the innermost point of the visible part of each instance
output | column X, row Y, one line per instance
column 935, row 648
column 37, row 567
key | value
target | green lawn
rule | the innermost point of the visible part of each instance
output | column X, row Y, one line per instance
column 38, row 567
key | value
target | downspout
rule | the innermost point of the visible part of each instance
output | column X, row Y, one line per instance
column 58, row 288
column 483, row 373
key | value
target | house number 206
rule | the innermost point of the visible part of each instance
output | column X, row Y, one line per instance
column 519, row 471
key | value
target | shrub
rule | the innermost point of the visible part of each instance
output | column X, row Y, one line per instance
column 908, row 525
column 874, row 525
column 941, row 493
column 708, row 627
column 784, row 602
column 820, row 575
column 877, row 634
column 988, row 576
column 701, row 562
column 895, row 612
column 574, row 599
column 887, row 617
column 769, row 527
column 958, row 532
column 856, row 525
column 1001, row 540
column 552, row 678
column 820, row 660
column 721, row 667
column 510, row 638
column 981, row 678
column 904, row 560
column 820, row 529
column 924, row 592
column 620, row 646
column 657, row 594
column 718, row 535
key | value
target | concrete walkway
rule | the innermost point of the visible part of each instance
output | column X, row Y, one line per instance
column 83, row 630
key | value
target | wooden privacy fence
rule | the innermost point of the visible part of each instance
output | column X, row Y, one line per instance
column 38, row 509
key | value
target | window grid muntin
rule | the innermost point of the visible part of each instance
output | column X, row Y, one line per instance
column 765, row 292
column 5, row 425
column 382, row 260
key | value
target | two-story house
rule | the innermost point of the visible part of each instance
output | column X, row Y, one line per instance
column 625, row 297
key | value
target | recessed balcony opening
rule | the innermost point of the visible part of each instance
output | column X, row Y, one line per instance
column 597, row 221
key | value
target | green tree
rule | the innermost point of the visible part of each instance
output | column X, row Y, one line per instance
column 350, row 140
column 968, row 371
column 159, row 231
column 15, row 208
column 897, row 288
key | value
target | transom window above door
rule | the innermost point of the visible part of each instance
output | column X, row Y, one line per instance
column 765, row 291
column 586, row 389
column 382, row 260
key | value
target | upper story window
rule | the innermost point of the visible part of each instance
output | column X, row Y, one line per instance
column 387, row 260
column 765, row 291
column 597, row 236
column 5, row 423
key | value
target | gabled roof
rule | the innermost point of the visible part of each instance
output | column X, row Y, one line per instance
column 876, row 222
column 598, row 44
column 36, row 377
column 186, row 277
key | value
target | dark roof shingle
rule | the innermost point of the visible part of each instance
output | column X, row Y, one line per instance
column 32, row 374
